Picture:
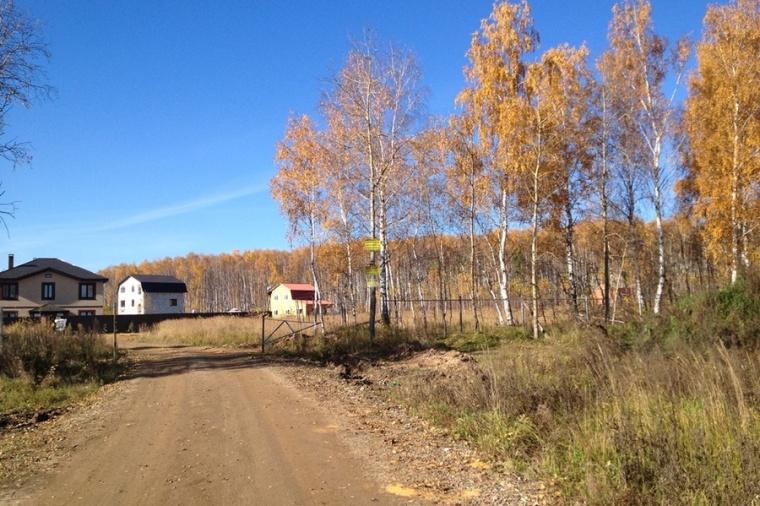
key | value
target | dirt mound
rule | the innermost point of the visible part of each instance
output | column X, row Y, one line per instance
column 388, row 373
column 438, row 360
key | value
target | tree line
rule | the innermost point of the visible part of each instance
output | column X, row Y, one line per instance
column 540, row 143
column 556, row 175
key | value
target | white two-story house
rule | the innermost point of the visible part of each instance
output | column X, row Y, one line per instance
column 151, row 294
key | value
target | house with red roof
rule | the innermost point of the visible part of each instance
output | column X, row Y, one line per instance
column 294, row 300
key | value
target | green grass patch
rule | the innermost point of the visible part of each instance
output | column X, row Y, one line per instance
column 20, row 395
column 488, row 338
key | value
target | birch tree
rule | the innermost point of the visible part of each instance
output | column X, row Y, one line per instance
column 639, row 61
column 467, row 192
column 723, row 122
column 297, row 186
column 570, row 87
column 495, row 98
column 377, row 98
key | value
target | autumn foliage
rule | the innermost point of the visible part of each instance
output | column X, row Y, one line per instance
column 552, row 183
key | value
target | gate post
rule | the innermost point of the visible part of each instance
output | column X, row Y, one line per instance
column 585, row 298
column 115, row 344
column 461, row 321
column 263, row 342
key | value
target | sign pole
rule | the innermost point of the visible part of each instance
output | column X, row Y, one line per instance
column 115, row 345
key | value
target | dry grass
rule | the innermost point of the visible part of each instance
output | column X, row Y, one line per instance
column 611, row 425
column 41, row 368
column 223, row 331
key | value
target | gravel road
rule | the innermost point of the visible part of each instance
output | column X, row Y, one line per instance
column 227, row 426
column 195, row 426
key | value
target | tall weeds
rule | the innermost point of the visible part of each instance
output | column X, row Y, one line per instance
column 658, row 412
column 35, row 352
column 40, row 367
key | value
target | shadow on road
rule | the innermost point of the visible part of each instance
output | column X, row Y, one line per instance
column 153, row 360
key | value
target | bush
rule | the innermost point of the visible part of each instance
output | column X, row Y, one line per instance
column 35, row 352
column 730, row 316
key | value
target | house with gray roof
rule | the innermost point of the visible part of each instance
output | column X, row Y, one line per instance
column 151, row 294
column 50, row 287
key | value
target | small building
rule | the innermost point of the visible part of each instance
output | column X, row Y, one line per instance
column 623, row 294
column 49, row 287
column 151, row 294
column 294, row 299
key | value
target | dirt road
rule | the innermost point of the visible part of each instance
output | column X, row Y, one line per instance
column 204, row 426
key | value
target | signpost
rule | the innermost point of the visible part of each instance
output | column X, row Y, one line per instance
column 372, row 271
column 373, row 245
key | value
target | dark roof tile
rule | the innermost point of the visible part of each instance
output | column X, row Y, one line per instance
column 49, row 264
column 158, row 284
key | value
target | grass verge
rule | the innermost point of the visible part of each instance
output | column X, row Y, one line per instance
column 657, row 412
column 42, row 369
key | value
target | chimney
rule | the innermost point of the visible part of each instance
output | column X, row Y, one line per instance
column 10, row 261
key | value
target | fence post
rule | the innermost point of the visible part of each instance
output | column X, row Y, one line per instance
column 263, row 321
column 461, row 321
column 115, row 345
column 585, row 298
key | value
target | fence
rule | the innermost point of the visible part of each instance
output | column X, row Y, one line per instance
column 463, row 313
column 124, row 323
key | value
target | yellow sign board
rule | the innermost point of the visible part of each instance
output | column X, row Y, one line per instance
column 372, row 245
column 372, row 270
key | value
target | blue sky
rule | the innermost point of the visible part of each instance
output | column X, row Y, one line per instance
column 160, row 138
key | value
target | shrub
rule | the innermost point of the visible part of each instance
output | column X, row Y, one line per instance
column 36, row 352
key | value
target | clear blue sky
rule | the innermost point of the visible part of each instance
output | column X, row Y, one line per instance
column 161, row 136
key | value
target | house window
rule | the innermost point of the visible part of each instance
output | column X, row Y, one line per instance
column 87, row 313
column 48, row 291
column 286, row 297
column 10, row 314
column 276, row 297
column 173, row 302
column 123, row 303
column 10, row 291
column 133, row 302
column 139, row 289
column 133, row 289
column 87, row 291
column 123, row 289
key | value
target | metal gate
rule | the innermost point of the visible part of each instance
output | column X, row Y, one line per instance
column 269, row 339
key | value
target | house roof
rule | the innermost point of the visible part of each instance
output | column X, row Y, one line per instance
column 39, row 265
column 51, row 308
column 303, row 292
column 299, row 287
column 158, row 284
column 293, row 287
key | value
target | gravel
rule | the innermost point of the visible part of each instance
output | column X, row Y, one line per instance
column 421, row 462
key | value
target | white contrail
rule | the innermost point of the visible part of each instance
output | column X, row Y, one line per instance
column 177, row 209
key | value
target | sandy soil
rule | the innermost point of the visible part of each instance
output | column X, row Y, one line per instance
column 226, row 426
column 196, row 426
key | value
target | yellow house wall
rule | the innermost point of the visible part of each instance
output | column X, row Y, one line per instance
column 281, row 304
